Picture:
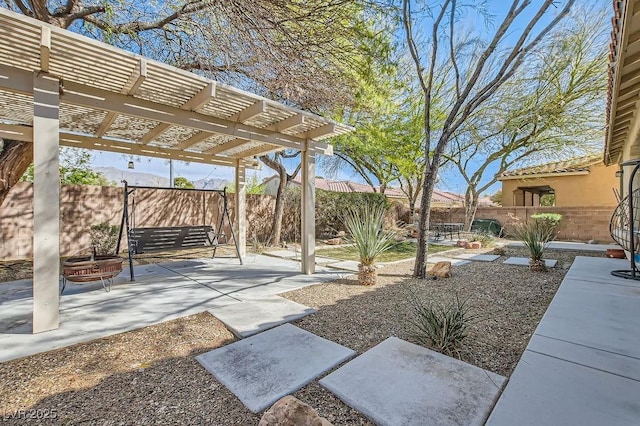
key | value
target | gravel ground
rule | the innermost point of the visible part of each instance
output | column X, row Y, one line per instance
column 150, row 375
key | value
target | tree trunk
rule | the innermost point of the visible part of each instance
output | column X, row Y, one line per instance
column 470, row 208
column 15, row 158
column 276, row 228
column 420, row 267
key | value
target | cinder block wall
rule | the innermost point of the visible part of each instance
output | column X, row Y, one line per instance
column 84, row 206
column 578, row 223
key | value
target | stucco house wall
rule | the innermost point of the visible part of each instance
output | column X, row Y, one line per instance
column 589, row 188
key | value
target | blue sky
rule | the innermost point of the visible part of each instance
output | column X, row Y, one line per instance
column 449, row 179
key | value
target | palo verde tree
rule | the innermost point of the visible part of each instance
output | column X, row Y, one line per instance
column 476, row 74
column 552, row 108
column 293, row 50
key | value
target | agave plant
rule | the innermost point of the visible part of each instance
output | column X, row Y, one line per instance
column 365, row 231
column 441, row 326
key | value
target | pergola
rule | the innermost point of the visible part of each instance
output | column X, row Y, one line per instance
column 60, row 88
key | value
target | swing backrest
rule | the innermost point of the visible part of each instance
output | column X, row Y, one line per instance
column 144, row 240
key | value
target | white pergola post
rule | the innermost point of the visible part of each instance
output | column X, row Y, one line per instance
column 308, row 210
column 241, row 208
column 46, row 203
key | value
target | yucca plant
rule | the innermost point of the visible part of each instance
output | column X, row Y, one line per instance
column 536, row 236
column 365, row 231
column 443, row 327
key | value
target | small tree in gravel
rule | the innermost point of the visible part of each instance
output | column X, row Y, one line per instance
column 536, row 236
column 365, row 231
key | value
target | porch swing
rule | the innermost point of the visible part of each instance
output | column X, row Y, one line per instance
column 173, row 238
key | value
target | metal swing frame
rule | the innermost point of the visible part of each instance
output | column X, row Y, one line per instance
column 155, row 239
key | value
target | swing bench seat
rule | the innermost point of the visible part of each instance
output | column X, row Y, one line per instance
column 146, row 240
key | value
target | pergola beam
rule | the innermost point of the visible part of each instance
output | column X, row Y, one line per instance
column 327, row 129
column 193, row 140
column 199, row 100
column 257, row 151
column 132, row 148
column 45, row 49
column 226, row 146
column 288, row 123
column 136, row 79
column 250, row 112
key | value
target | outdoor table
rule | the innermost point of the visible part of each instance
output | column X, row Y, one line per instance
column 444, row 228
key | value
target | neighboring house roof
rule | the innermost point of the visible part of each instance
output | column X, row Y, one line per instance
column 348, row 186
column 441, row 197
column 573, row 165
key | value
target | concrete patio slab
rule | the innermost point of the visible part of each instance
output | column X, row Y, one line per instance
column 477, row 257
column 582, row 365
column 160, row 293
column 263, row 368
column 454, row 262
column 524, row 261
column 249, row 317
column 546, row 390
column 399, row 383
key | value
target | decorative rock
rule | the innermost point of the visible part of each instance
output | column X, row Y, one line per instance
column 441, row 270
column 334, row 241
column 341, row 234
column 473, row 245
column 461, row 243
column 290, row 411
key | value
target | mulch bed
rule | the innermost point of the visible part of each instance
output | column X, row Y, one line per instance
column 150, row 375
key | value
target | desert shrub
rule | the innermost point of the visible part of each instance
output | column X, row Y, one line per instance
column 443, row 327
column 330, row 208
column 486, row 238
column 104, row 238
column 549, row 220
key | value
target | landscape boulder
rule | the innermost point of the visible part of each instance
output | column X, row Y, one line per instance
column 334, row 241
column 290, row 411
column 441, row 270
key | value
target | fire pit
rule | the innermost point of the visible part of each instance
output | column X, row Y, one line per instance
column 91, row 268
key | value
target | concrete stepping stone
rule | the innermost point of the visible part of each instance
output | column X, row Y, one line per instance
column 263, row 368
column 253, row 316
column 524, row 261
column 399, row 383
column 454, row 262
column 477, row 257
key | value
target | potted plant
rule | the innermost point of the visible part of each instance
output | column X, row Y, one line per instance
column 365, row 231
column 103, row 264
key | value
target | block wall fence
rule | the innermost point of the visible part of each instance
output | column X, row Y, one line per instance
column 84, row 206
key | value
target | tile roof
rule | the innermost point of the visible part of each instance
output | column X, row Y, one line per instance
column 578, row 164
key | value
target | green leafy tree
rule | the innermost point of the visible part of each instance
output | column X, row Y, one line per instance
column 183, row 182
column 75, row 169
column 497, row 197
column 480, row 66
column 551, row 107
